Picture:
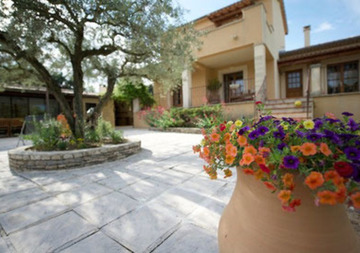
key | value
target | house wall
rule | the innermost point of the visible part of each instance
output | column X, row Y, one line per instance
column 108, row 112
column 338, row 103
column 236, row 111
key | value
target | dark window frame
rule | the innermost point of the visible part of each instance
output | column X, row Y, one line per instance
column 340, row 86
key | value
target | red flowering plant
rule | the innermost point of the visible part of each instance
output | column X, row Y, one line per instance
column 324, row 151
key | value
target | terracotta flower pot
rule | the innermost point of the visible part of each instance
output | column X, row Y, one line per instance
column 254, row 221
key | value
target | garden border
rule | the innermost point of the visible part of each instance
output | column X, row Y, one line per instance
column 184, row 130
column 23, row 158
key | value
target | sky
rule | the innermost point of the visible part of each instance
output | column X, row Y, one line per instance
column 329, row 19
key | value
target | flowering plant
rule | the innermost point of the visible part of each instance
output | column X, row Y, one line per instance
column 325, row 152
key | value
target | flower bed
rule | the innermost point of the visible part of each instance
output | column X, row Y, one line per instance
column 23, row 158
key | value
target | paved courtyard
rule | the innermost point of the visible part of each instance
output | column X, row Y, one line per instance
column 158, row 200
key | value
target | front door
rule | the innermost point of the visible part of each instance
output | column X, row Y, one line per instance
column 234, row 86
column 294, row 87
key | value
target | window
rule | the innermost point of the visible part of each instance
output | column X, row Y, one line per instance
column 5, row 105
column 88, row 106
column 343, row 77
column 234, row 86
column 37, row 106
column 19, row 107
column 177, row 97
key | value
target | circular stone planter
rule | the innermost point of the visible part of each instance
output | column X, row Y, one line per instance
column 23, row 158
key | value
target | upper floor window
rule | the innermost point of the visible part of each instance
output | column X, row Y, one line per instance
column 343, row 77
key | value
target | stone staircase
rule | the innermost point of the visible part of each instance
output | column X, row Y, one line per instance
column 286, row 108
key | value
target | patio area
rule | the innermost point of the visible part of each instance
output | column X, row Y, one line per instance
column 158, row 200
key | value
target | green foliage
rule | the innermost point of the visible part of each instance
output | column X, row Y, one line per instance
column 127, row 91
column 47, row 134
column 214, row 85
column 50, row 134
column 202, row 117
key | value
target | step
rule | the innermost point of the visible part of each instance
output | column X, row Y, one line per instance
column 285, row 106
column 286, row 100
column 288, row 110
column 291, row 115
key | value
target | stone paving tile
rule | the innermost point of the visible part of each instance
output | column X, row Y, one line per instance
column 44, row 178
column 203, row 185
column 3, row 246
column 181, row 200
column 208, row 215
column 107, row 208
column 27, row 215
column 171, row 177
column 83, row 194
column 22, row 198
column 52, row 234
column 143, row 229
column 14, row 184
column 145, row 189
column 67, row 185
column 121, row 179
column 189, row 238
column 96, row 243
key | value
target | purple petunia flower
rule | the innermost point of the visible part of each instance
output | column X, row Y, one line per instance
column 347, row 137
column 253, row 135
column 352, row 124
column 348, row 114
column 243, row 130
column 291, row 162
column 281, row 146
column 356, row 172
column 314, row 137
column 318, row 124
column 332, row 121
column 279, row 134
column 265, row 118
column 262, row 130
column 352, row 153
column 300, row 134
column 261, row 143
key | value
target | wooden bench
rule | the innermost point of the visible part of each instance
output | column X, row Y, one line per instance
column 10, row 124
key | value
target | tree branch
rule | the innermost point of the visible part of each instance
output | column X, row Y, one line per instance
column 103, row 50
column 53, row 40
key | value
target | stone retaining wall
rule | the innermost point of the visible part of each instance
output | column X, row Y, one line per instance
column 23, row 158
column 184, row 130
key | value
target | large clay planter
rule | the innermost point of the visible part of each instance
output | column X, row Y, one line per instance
column 254, row 221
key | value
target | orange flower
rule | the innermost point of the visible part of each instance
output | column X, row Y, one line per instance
column 270, row 186
column 355, row 198
column 314, row 180
column 259, row 159
column 196, row 149
column 227, row 137
column 206, row 151
column 213, row 175
column 284, row 196
column 308, row 149
column 242, row 141
column 341, row 194
column 229, row 159
column 334, row 176
column 215, row 137
column 228, row 173
column 207, row 169
column 294, row 148
column 263, row 150
column 250, row 149
column 288, row 180
column 248, row 171
column 259, row 174
column 247, row 159
column 330, row 115
column 231, row 150
column 327, row 197
column 324, row 148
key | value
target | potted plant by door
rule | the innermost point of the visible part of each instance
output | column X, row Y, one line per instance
column 293, row 182
column 213, row 87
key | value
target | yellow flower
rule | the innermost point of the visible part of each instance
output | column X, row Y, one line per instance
column 309, row 124
column 229, row 123
column 202, row 142
column 298, row 103
column 238, row 123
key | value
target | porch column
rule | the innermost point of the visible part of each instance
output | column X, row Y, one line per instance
column 315, row 85
column 186, row 88
column 260, row 69
column 276, row 79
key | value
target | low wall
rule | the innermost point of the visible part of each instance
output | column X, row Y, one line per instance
column 23, row 158
column 234, row 111
column 184, row 130
column 337, row 103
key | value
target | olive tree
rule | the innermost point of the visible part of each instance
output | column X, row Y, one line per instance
column 93, row 41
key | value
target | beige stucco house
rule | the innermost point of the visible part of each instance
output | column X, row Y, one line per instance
column 243, row 48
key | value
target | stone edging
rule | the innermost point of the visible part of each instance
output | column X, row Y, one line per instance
column 184, row 130
column 24, row 159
